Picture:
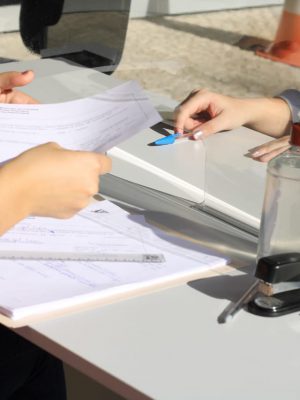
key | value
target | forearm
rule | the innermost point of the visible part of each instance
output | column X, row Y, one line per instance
column 12, row 205
column 271, row 116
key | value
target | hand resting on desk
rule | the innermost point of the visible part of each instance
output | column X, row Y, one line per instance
column 271, row 149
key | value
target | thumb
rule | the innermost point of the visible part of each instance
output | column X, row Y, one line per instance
column 105, row 164
column 9, row 80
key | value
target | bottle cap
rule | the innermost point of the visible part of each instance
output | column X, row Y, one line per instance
column 295, row 135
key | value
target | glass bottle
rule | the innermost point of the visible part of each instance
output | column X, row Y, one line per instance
column 280, row 220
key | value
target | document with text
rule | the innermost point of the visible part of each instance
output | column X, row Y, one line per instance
column 37, row 287
column 95, row 123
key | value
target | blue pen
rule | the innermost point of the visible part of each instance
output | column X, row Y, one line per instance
column 172, row 138
column 167, row 139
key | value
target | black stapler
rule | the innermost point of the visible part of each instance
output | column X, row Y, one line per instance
column 279, row 285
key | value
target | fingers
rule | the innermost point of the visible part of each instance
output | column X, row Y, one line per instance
column 210, row 127
column 9, row 80
column 102, row 162
column 17, row 97
column 203, row 113
column 12, row 79
column 182, row 125
column 267, row 151
column 105, row 164
column 267, row 157
column 192, row 105
column 61, row 181
column 182, row 120
column 84, row 160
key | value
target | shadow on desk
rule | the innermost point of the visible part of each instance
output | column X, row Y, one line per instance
column 200, row 236
column 229, row 287
column 79, row 387
column 211, row 237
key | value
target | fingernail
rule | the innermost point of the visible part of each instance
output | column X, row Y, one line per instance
column 257, row 153
column 197, row 135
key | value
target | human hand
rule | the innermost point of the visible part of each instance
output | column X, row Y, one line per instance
column 269, row 150
column 48, row 180
column 204, row 113
column 12, row 79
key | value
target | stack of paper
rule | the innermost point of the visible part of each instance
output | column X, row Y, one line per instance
column 36, row 287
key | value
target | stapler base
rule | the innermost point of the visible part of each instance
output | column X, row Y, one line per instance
column 276, row 305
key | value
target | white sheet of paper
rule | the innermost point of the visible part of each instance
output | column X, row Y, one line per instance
column 102, row 227
column 96, row 123
column 135, row 227
column 32, row 287
column 75, row 236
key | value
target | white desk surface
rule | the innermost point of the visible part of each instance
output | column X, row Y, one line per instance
column 168, row 345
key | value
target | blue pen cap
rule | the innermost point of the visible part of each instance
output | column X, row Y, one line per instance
column 167, row 139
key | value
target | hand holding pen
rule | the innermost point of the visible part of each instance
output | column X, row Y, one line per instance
column 204, row 113
column 207, row 113
column 175, row 137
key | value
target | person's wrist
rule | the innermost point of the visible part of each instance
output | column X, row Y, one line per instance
column 247, row 111
column 250, row 111
column 15, row 193
column 285, row 112
column 271, row 116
